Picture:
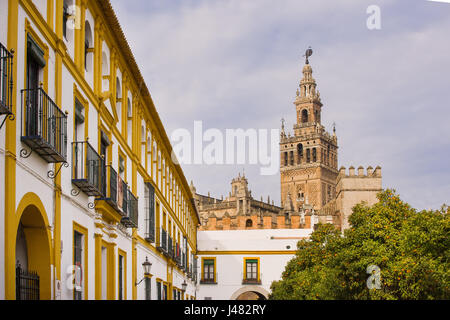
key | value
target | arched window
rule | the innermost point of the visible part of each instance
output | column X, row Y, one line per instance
column 249, row 223
column 118, row 89
column 129, row 121
column 129, row 109
column 314, row 155
column 305, row 116
column 68, row 25
column 285, row 159
column 308, row 155
column 88, row 45
column 143, row 133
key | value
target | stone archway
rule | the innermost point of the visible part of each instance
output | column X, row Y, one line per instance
column 250, row 293
column 33, row 247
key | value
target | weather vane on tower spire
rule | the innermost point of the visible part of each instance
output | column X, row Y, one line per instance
column 308, row 54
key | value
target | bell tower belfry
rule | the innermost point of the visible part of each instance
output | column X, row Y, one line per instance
column 309, row 157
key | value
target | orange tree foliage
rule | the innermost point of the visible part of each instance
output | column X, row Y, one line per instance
column 411, row 249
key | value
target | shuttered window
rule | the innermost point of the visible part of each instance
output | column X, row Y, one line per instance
column 251, row 269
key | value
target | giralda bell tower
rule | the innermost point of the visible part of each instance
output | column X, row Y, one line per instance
column 309, row 157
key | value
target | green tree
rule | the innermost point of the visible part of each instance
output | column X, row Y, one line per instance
column 410, row 248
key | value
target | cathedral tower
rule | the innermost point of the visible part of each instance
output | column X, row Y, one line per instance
column 309, row 158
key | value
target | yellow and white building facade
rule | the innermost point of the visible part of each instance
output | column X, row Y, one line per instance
column 92, row 205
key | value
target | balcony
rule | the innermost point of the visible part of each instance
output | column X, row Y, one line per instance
column 170, row 251
column 44, row 126
column 177, row 255
column 183, row 261
column 87, row 169
column 6, row 81
column 116, row 200
column 130, row 220
column 162, row 247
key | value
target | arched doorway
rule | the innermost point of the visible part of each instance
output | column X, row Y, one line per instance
column 250, row 293
column 33, row 250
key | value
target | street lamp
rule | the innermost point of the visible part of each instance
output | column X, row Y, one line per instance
column 147, row 265
column 184, row 286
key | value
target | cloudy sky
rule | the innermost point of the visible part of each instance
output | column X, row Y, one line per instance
column 237, row 64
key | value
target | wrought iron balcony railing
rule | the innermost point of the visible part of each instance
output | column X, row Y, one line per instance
column 177, row 254
column 115, row 191
column 163, row 241
column 183, row 260
column 109, row 186
column 189, row 272
column 130, row 220
column 170, row 250
column 87, row 169
column 44, row 126
column 6, row 82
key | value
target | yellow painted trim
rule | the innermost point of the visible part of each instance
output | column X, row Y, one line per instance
column 52, row 39
column 111, row 267
column 165, row 203
column 84, row 231
column 50, row 13
column 39, row 259
column 59, row 53
column 109, row 214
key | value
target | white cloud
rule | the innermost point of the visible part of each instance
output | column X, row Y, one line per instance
column 237, row 64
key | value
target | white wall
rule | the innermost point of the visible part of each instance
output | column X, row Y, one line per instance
column 273, row 247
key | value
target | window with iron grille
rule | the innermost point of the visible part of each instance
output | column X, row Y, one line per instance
column 150, row 212
column 6, row 81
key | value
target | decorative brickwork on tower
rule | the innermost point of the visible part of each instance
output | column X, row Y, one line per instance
column 308, row 163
